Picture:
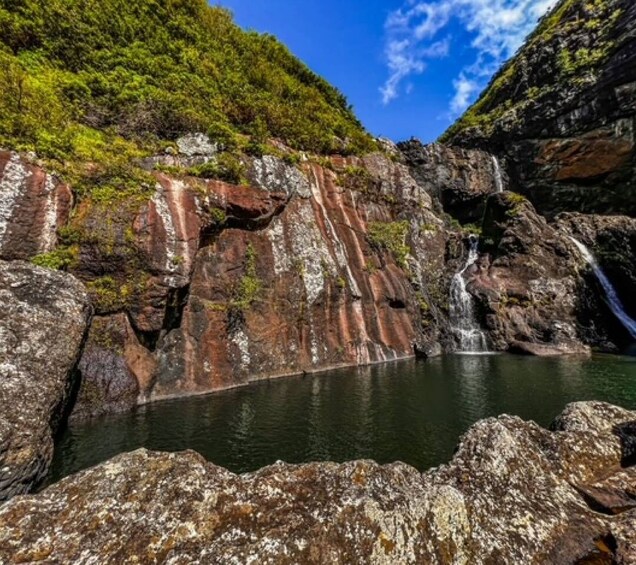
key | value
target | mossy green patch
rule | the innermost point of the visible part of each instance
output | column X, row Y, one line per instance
column 59, row 259
column 249, row 286
column 391, row 236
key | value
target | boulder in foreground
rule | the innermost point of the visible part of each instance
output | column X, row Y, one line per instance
column 44, row 316
column 513, row 493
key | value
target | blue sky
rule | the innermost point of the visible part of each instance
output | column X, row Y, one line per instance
column 409, row 67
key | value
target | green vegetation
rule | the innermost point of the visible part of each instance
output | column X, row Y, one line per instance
column 355, row 178
column 250, row 286
column 572, row 64
column 219, row 216
column 109, row 295
column 391, row 236
column 59, row 259
column 509, row 91
column 94, row 85
column 225, row 167
column 517, row 202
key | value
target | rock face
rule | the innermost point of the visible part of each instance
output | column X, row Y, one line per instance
column 526, row 281
column 308, row 286
column 32, row 205
column 200, row 285
column 44, row 316
column 459, row 179
column 612, row 240
column 513, row 493
column 534, row 290
column 560, row 115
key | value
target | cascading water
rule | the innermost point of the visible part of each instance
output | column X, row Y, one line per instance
column 463, row 321
column 499, row 185
column 613, row 301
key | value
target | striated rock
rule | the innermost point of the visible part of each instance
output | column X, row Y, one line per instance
column 201, row 285
column 305, row 288
column 43, row 320
column 513, row 493
column 33, row 204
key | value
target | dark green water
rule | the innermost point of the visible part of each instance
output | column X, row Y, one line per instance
column 410, row 411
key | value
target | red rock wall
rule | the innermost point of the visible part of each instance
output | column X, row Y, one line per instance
column 32, row 205
column 320, row 304
column 169, row 273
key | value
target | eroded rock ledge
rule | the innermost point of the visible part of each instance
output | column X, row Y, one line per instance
column 513, row 493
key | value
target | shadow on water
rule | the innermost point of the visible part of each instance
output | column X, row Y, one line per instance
column 409, row 411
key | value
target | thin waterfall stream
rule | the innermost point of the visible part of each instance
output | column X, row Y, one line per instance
column 499, row 185
column 463, row 320
column 613, row 301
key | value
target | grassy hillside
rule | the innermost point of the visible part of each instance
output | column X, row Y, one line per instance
column 104, row 81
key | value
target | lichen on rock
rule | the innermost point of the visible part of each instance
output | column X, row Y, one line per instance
column 513, row 493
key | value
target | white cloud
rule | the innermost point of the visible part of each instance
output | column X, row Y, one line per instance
column 465, row 89
column 497, row 28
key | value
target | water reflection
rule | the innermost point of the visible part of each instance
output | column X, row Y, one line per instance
column 409, row 411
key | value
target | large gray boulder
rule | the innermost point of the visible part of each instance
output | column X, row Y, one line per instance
column 513, row 493
column 44, row 316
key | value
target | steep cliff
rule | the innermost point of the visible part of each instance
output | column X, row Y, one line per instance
column 560, row 114
column 222, row 245
column 205, row 285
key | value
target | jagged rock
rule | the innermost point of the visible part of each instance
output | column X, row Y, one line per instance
column 273, row 174
column 561, row 113
column 33, row 204
column 460, row 179
column 167, row 270
column 44, row 316
column 526, row 282
column 513, row 493
column 307, row 289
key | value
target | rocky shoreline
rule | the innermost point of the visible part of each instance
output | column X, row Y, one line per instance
column 513, row 493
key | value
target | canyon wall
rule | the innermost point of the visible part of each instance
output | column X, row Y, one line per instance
column 560, row 114
column 304, row 262
column 201, row 285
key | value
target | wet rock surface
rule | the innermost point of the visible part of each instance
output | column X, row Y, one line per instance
column 612, row 241
column 536, row 293
column 44, row 316
column 513, row 493
column 526, row 281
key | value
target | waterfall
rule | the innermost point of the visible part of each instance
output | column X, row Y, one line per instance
column 499, row 185
column 463, row 321
column 613, row 301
